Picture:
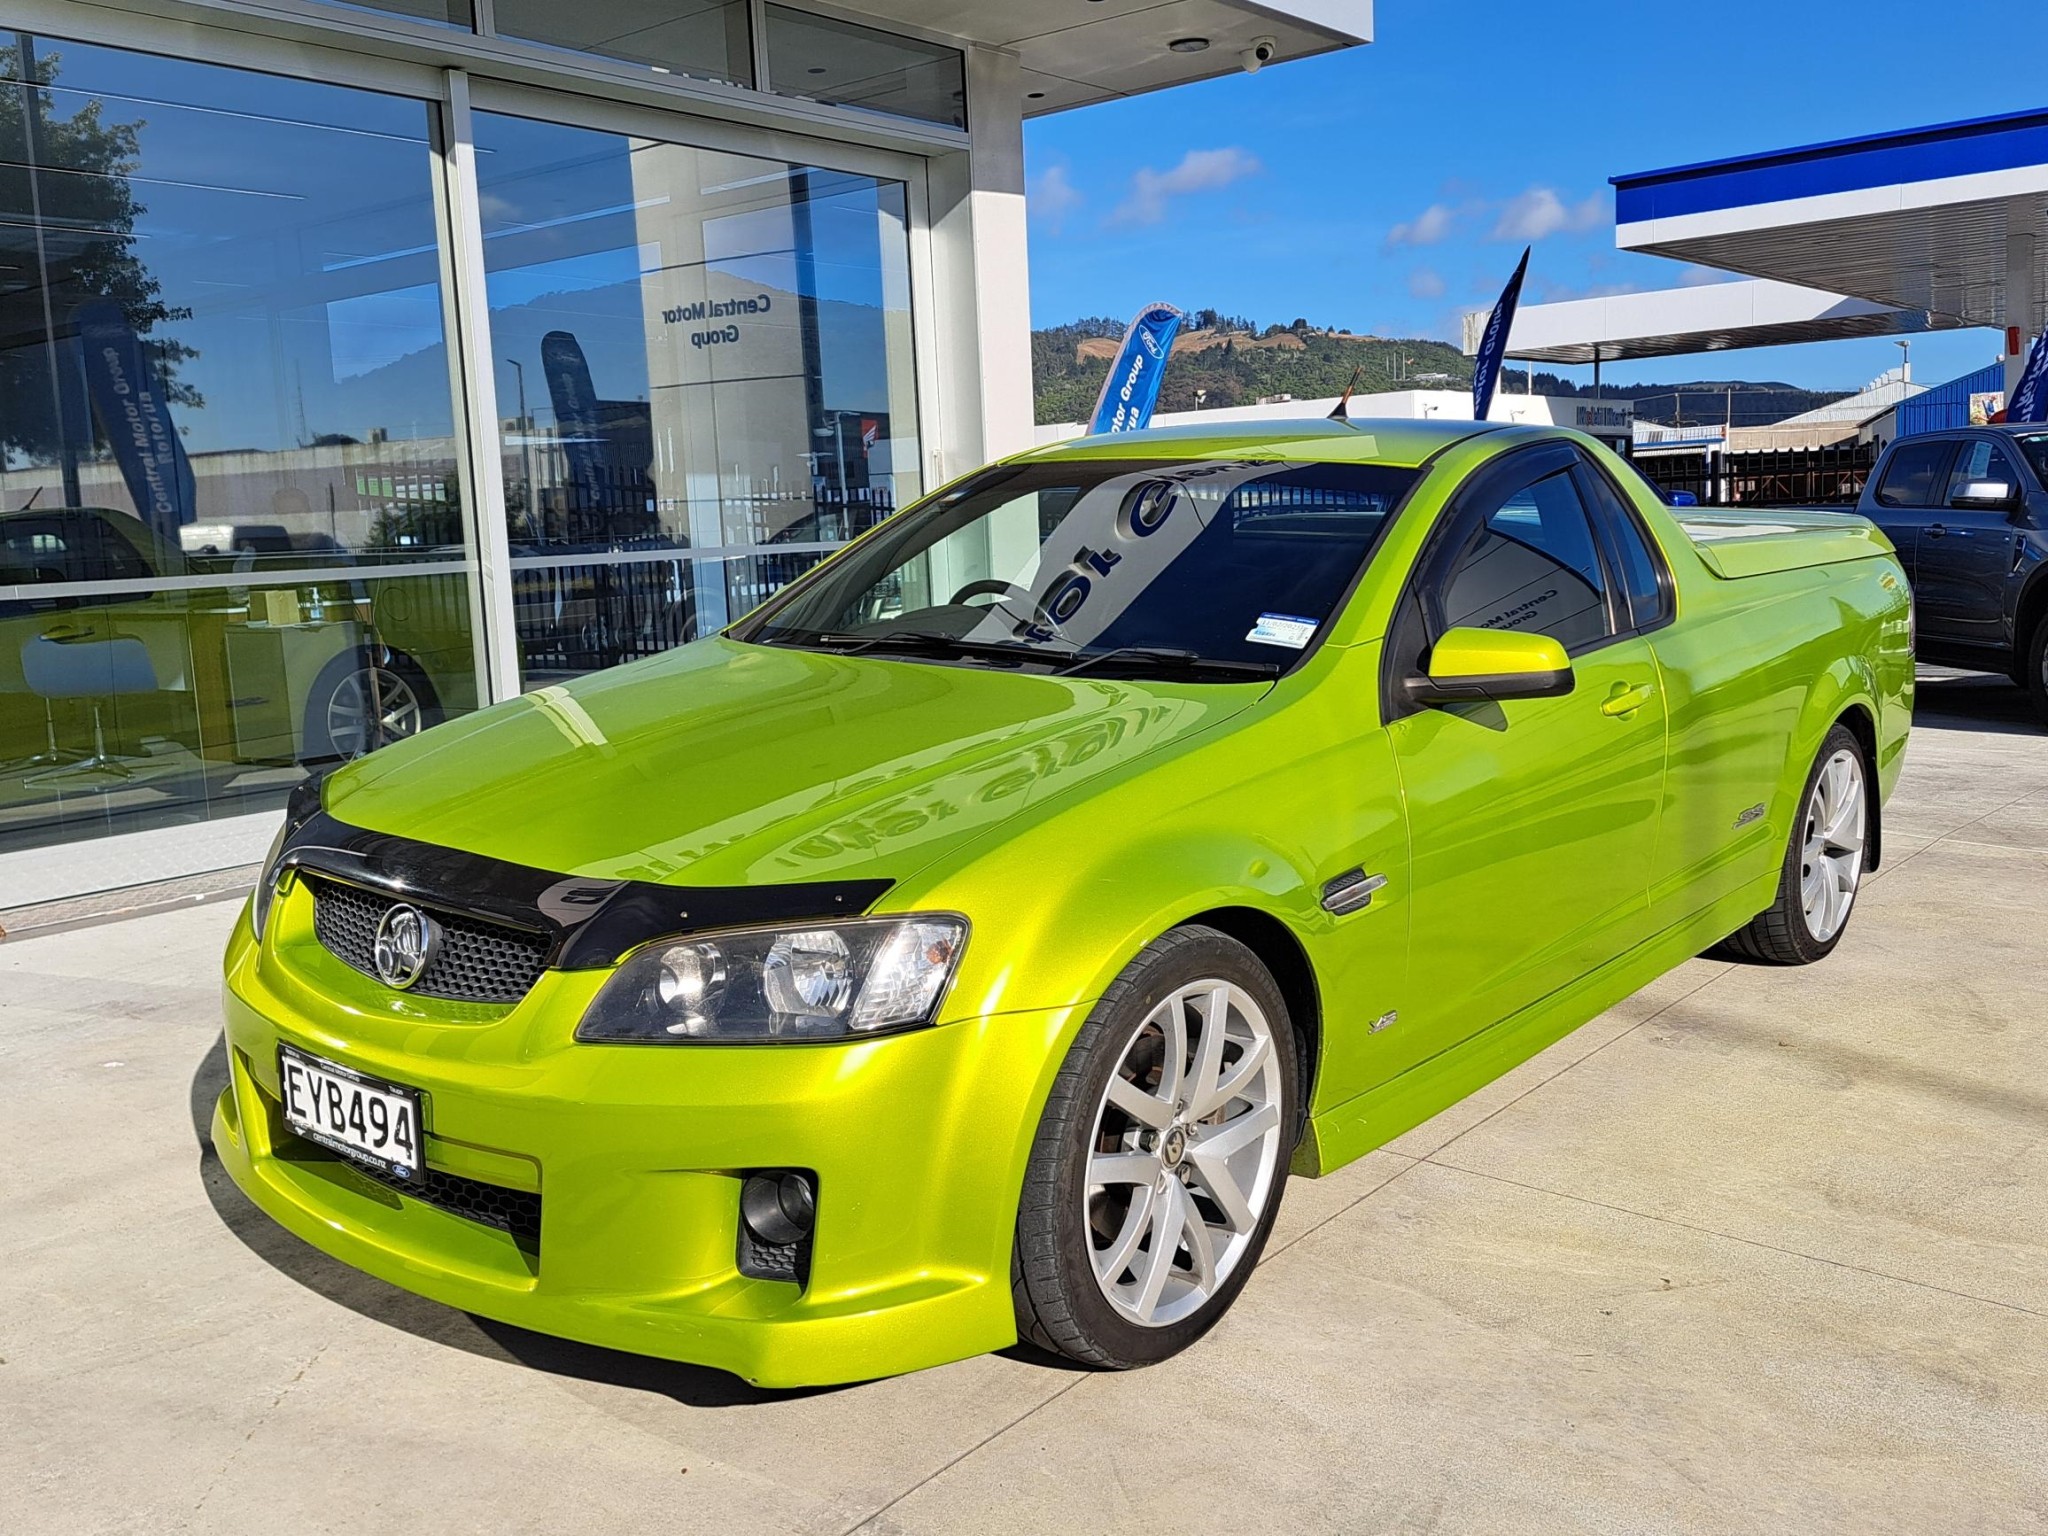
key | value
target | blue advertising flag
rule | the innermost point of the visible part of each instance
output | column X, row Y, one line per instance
column 128, row 397
column 2029, row 400
column 1132, row 388
column 574, row 398
column 1493, row 346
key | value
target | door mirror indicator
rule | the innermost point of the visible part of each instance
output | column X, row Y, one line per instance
column 1984, row 495
column 1478, row 665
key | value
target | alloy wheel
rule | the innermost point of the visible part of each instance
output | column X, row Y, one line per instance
column 1185, row 1153
column 372, row 707
column 1831, row 857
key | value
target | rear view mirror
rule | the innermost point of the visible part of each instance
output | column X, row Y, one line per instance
column 1984, row 495
column 1472, row 665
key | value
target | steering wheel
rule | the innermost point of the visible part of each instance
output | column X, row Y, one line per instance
column 992, row 589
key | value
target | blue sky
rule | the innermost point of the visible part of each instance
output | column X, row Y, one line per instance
column 1388, row 188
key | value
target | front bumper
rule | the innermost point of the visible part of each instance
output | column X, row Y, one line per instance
column 918, row 1142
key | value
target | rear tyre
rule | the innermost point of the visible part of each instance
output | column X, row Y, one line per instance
column 1162, row 1156
column 2034, row 677
column 1823, row 866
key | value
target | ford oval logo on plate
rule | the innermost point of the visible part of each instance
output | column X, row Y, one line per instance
column 407, row 941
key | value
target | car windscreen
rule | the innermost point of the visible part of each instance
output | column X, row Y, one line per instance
column 1212, row 570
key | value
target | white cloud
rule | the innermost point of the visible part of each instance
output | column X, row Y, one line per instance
column 1426, row 228
column 1706, row 277
column 1053, row 196
column 1200, row 170
column 1426, row 283
column 1539, row 212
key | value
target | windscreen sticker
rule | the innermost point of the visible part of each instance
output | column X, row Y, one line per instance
column 1282, row 629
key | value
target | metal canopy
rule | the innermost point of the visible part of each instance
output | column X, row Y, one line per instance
column 1927, row 219
column 1075, row 52
column 1713, row 317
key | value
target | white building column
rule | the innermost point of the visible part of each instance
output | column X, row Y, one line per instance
column 982, row 277
column 2022, row 302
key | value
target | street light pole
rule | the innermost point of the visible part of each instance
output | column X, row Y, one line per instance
column 525, row 437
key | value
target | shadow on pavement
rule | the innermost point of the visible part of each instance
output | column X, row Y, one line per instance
column 1974, row 701
column 365, row 1295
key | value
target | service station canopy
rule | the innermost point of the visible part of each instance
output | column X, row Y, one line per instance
column 1950, row 220
column 1924, row 229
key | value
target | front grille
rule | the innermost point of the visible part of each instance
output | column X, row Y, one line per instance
column 509, row 1210
column 478, row 961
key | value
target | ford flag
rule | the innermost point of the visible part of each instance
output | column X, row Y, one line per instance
column 1493, row 346
column 2030, row 396
column 128, row 397
column 1132, row 388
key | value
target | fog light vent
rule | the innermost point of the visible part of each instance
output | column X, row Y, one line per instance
column 778, row 1208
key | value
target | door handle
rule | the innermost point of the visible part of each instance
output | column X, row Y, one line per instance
column 1626, row 698
column 1943, row 531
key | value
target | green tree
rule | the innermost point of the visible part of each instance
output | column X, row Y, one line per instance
column 67, row 197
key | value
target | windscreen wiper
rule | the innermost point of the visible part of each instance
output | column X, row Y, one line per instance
column 1169, row 658
column 924, row 642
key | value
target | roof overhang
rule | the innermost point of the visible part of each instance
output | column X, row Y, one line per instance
column 1076, row 52
column 1708, row 317
column 1916, row 220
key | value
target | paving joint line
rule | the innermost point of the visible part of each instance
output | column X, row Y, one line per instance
column 940, row 1471
column 1734, row 1237
column 1511, row 1103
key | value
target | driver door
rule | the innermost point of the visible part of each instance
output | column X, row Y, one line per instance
column 1532, row 822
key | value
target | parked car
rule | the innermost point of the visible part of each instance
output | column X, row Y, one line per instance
column 964, row 946
column 1968, row 511
column 331, row 669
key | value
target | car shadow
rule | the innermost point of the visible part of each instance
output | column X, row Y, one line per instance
column 298, row 1261
column 1945, row 700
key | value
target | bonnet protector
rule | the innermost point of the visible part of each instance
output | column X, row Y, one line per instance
column 590, row 922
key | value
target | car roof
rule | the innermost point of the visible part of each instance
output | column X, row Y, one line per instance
column 1362, row 440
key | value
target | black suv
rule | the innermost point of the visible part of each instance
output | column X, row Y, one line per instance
column 1968, row 510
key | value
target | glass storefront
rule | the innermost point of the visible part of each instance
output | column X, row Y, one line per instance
column 234, row 544
column 230, row 539
column 707, row 359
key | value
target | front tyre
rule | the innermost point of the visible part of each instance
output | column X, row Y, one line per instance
column 2034, row 668
column 1162, row 1156
column 1823, row 866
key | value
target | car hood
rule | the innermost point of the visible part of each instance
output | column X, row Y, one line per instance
column 729, row 764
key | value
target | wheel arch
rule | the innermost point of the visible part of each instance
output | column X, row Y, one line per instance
column 1845, row 693
column 1862, row 724
column 2028, row 615
column 1282, row 953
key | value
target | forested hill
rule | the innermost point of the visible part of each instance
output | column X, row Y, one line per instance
column 1231, row 360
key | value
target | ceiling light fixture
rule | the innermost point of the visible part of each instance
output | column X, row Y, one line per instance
column 1188, row 44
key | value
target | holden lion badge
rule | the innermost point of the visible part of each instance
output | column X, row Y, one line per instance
column 407, row 940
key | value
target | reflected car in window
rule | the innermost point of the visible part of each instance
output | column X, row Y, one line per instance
column 967, row 945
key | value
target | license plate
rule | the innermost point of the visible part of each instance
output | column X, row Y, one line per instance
column 361, row 1117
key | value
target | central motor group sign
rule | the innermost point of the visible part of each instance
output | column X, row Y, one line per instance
column 709, row 326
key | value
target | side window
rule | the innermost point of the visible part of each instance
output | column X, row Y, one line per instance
column 1533, row 565
column 1913, row 476
column 1643, row 576
column 1978, row 462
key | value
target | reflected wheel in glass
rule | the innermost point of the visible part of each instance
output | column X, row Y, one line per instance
column 372, row 707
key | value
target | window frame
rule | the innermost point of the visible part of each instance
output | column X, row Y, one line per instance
column 1603, row 517
column 1482, row 493
column 1947, row 447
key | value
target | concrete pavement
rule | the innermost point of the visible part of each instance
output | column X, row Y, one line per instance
column 1757, row 1250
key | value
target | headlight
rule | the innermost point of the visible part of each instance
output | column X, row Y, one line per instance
column 301, row 808
column 826, row 981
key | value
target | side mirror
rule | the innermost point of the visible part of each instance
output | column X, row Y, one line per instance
column 1475, row 665
column 1984, row 496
